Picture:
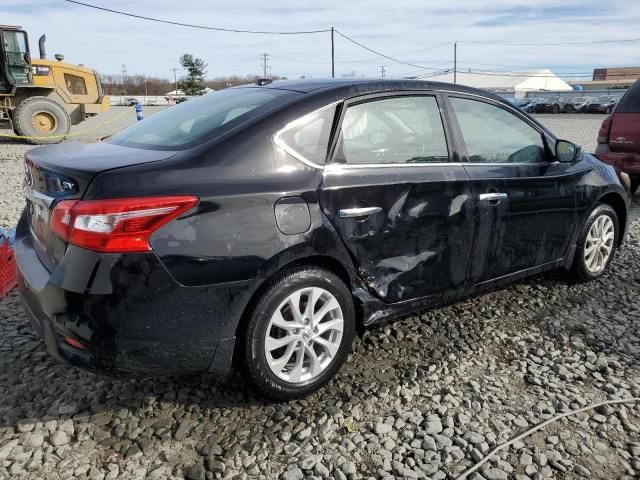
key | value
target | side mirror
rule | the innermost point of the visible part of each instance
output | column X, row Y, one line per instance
column 567, row 151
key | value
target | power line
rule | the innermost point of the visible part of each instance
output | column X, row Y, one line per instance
column 553, row 44
column 380, row 53
column 365, row 60
column 203, row 27
column 558, row 67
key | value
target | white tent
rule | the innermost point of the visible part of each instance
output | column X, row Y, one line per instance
column 512, row 82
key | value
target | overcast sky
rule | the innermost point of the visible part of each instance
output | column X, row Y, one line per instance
column 105, row 41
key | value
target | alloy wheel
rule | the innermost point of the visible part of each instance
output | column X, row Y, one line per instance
column 599, row 244
column 304, row 335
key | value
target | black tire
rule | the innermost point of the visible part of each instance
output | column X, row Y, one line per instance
column 25, row 113
column 635, row 183
column 254, row 362
column 579, row 269
column 555, row 109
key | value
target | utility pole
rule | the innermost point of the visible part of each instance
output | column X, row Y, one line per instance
column 265, row 57
column 383, row 71
column 124, row 76
column 333, row 55
column 455, row 61
column 175, row 78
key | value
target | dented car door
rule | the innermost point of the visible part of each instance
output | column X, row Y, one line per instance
column 404, row 210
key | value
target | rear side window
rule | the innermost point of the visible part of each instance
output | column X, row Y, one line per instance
column 307, row 138
column 494, row 135
column 201, row 119
column 393, row 130
column 630, row 102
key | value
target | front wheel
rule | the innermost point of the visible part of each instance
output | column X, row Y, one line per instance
column 41, row 120
column 299, row 334
column 596, row 244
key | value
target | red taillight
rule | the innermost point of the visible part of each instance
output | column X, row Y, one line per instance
column 74, row 343
column 116, row 225
column 603, row 133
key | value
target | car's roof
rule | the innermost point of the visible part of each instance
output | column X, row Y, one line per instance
column 364, row 85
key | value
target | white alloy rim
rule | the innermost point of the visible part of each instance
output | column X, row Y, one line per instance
column 599, row 244
column 304, row 335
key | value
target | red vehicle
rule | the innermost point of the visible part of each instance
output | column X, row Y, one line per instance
column 619, row 136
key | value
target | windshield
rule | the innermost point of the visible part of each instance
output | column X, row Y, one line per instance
column 604, row 99
column 200, row 119
column 579, row 99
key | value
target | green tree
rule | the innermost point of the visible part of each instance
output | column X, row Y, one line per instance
column 193, row 83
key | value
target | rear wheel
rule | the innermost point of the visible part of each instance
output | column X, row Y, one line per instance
column 42, row 120
column 596, row 244
column 299, row 334
column 555, row 109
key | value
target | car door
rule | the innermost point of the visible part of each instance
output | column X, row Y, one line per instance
column 525, row 200
column 402, row 207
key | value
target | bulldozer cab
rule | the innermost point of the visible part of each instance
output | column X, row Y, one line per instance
column 15, row 64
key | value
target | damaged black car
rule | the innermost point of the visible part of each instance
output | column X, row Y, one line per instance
column 260, row 226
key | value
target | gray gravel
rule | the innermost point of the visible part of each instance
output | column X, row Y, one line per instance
column 426, row 397
column 580, row 128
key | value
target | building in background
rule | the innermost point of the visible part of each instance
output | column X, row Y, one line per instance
column 508, row 84
column 617, row 78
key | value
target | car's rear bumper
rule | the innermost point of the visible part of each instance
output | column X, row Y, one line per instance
column 132, row 317
column 625, row 161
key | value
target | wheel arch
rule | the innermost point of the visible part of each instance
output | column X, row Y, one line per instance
column 615, row 201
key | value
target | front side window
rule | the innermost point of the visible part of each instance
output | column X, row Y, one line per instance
column 494, row 135
column 75, row 84
column 393, row 130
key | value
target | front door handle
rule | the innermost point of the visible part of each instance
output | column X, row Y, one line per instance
column 358, row 212
column 493, row 198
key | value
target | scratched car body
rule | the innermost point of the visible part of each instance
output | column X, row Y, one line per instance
column 260, row 225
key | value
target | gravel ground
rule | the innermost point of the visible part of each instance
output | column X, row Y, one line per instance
column 425, row 397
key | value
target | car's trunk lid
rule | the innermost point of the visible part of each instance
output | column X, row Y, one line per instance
column 58, row 172
column 624, row 135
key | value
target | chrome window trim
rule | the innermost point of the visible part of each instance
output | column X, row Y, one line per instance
column 347, row 166
column 298, row 156
column 516, row 164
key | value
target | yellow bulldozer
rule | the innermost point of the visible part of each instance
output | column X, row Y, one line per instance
column 42, row 98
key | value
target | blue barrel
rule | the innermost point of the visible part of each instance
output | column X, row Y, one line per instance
column 139, row 115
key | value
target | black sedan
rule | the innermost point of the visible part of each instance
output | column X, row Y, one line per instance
column 259, row 226
column 603, row 104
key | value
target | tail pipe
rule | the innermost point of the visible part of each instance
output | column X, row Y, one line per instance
column 43, row 53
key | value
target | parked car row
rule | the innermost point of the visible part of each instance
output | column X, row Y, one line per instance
column 559, row 104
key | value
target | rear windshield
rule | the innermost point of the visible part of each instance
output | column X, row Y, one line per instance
column 630, row 103
column 200, row 119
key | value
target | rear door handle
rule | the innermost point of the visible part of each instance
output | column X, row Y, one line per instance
column 493, row 197
column 358, row 212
